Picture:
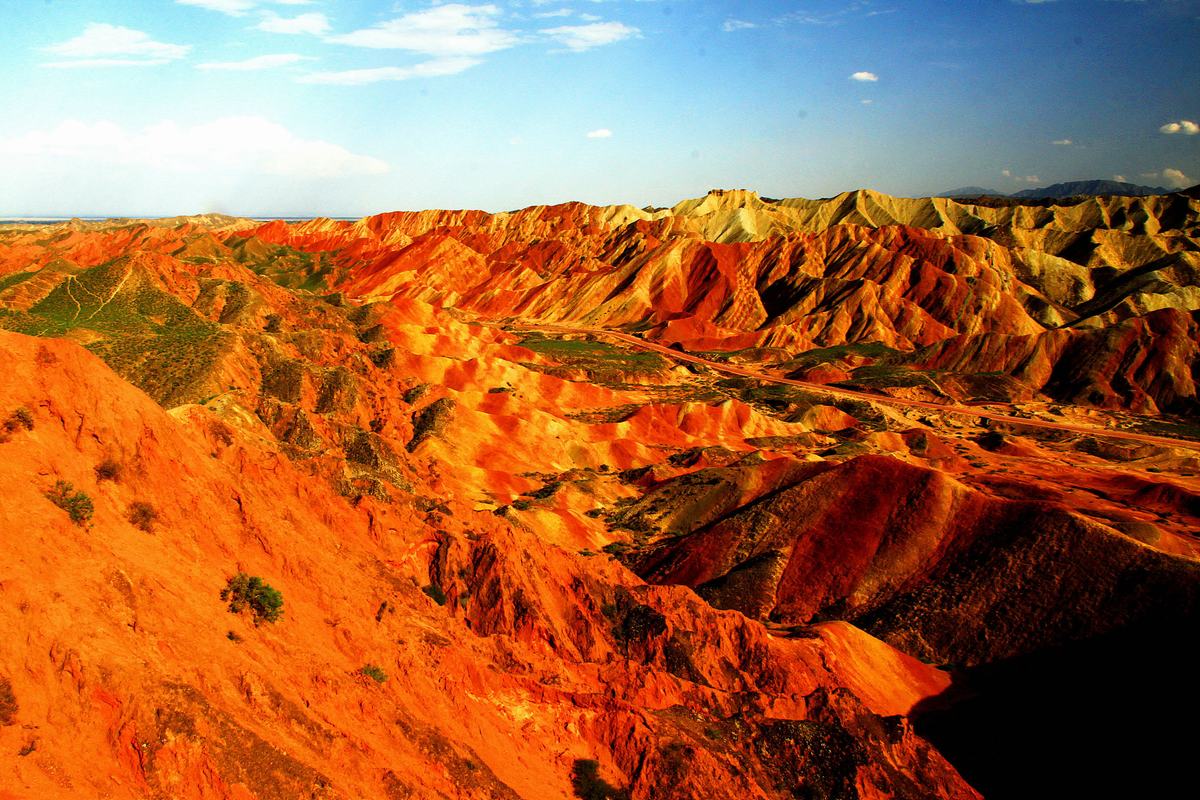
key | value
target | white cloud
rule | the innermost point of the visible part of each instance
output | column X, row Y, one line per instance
column 314, row 23
column 358, row 77
column 1063, row 142
column 600, row 133
column 868, row 77
column 238, row 8
column 454, row 29
column 1008, row 173
column 234, row 8
column 562, row 12
column 730, row 25
column 256, row 63
column 597, row 34
column 1184, row 126
column 1120, row 179
column 1176, row 179
column 102, row 44
column 866, row 101
column 234, row 145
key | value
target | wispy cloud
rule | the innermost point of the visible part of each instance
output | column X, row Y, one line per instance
column 234, row 8
column 358, row 77
column 229, row 144
column 1184, row 126
column 102, row 44
column 730, row 25
column 256, row 63
column 238, row 8
column 1063, row 142
column 596, row 34
column 1008, row 173
column 600, row 133
column 314, row 23
column 443, row 31
column 1120, row 178
column 865, row 77
column 857, row 9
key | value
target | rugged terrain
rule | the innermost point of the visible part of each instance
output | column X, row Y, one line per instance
column 739, row 498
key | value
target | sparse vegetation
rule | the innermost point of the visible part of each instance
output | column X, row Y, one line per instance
column 251, row 592
column 142, row 515
column 435, row 593
column 110, row 470
column 20, row 418
column 603, row 363
column 588, row 785
column 8, row 703
column 374, row 672
column 77, row 504
column 431, row 421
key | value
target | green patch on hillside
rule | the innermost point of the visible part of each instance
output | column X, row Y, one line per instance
column 887, row 375
column 12, row 279
column 144, row 333
column 824, row 355
column 594, row 356
column 287, row 266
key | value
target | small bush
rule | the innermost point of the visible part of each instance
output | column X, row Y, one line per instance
column 249, row 591
column 374, row 672
column 110, row 470
column 8, row 703
column 274, row 321
column 142, row 515
column 435, row 594
column 77, row 504
column 21, row 418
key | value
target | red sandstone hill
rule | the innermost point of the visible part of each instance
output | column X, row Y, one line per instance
column 849, row 467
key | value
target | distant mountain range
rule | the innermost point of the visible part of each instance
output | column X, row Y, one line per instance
column 1068, row 189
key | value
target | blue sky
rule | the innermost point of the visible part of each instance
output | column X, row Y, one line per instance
column 349, row 107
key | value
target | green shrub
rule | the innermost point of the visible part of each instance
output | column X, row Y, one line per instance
column 435, row 594
column 21, row 418
column 374, row 672
column 110, row 470
column 77, row 504
column 8, row 703
column 249, row 591
column 142, row 515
